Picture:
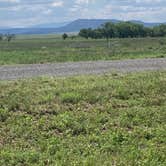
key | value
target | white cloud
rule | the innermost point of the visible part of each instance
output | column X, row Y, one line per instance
column 81, row 6
column 133, row 12
column 47, row 11
column 10, row 1
column 14, row 12
column 58, row 4
column 84, row 1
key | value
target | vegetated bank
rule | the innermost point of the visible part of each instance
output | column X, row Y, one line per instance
column 88, row 120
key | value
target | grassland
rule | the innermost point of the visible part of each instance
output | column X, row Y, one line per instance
column 87, row 120
column 46, row 49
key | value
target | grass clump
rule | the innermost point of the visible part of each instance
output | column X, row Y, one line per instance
column 87, row 120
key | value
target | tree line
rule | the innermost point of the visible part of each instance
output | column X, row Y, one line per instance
column 123, row 30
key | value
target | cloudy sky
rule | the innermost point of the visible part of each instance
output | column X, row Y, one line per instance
column 24, row 13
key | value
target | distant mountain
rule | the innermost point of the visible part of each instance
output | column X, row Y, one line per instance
column 51, row 25
column 74, row 26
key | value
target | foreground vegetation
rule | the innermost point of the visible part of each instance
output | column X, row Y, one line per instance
column 88, row 120
column 30, row 50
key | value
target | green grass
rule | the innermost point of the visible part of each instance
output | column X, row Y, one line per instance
column 87, row 120
column 44, row 49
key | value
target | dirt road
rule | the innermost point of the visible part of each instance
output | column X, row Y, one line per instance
column 80, row 68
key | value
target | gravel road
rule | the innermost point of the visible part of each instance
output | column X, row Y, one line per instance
column 79, row 68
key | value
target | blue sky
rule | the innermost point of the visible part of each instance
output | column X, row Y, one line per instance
column 24, row 13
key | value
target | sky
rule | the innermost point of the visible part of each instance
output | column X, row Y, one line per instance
column 27, row 13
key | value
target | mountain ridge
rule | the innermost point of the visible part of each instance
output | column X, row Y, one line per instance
column 73, row 26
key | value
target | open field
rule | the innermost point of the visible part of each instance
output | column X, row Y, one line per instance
column 46, row 49
column 116, row 119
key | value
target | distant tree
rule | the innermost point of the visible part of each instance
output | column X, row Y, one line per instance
column 96, row 34
column 163, row 29
column 64, row 36
column 1, row 37
column 149, row 32
column 123, row 30
column 90, row 33
column 109, row 31
column 9, row 37
column 159, row 31
column 99, row 33
column 84, row 33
